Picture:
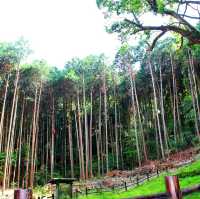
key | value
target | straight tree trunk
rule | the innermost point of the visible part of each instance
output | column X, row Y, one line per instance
column 106, row 120
column 86, row 132
column 163, row 112
column 140, row 122
column 70, row 146
column 33, row 139
column 90, row 145
column 3, row 112
column 20, row 145
column 174, row 100
column 156, row 109
column 193, row 77
column 78, row 144
column 193, row 103
column 9, row 140
column 116, row 128
column 134, row 120
column 52, row 137
column 80, row 139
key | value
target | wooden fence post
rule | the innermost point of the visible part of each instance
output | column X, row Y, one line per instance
column 137, row 180
column 86, row 191
column 173, row 187
column 157, row 172
column 113, row 188
column 147, row 176
column 125, row 186
column 23, row 194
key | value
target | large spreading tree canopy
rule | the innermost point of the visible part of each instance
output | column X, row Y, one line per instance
column 179, row 16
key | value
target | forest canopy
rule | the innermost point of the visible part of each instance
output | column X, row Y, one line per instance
column 130, row 17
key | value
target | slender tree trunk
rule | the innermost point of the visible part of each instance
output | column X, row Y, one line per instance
column 163, row 112
column 193, row 77
column 47, row 149
column 193, row 103
column 70, row 146
column 134, row 121
column 106, row 120
column 121, row 145
column 20, row 145
column 52, row 136
column 80, row 139
column 78, row 144
column 33, row 139
column 36, row 133
column 140, row 122
column 86, row 132
column 3, row 112
column 116, row 128
column 99, row 140
column 174, row 99
column 91, row 103
column 9, row 140
column 11, row 149
column 156, row 108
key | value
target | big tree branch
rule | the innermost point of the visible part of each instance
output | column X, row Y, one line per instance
column 191, row 17
column 153, row 5
column 151, row 46
column 179, row 18
column 189, row 2
column 160, row 28
column 192, row 35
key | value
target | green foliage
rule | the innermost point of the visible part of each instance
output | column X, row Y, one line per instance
column 133, row 12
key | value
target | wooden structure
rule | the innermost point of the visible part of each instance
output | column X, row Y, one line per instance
column 173, row 187
column 23, row 194
column 66, row 181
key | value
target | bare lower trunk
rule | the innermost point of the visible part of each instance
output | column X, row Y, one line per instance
column 9, row 139
column 116, row 129
column 163, row 113
column 106, row 121
column 3, row 112
column 80, row 139
column 90, row 145
column 52, row 137
column 86, row 132
column 70, row 146
column 156, row 109
column 33, row 139
column 135, row 123
column 77, row 140
column 193, row 103
column 20, row 145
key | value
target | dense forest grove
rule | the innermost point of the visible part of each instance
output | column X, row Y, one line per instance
column 93, row 116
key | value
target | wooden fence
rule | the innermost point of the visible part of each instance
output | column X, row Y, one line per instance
column 124, row 186
column 173, row 193
column 172, row 187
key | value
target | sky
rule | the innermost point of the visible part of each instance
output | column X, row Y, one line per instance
column 57, row 30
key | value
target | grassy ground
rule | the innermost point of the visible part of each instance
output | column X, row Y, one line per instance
column 189, row 176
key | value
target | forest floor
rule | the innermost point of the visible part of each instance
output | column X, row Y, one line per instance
column 118, row 177
column 188, row 175
column 185, row 164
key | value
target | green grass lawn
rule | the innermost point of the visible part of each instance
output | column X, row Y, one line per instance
column 189, row 178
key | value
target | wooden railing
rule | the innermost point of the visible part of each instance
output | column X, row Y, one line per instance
column 124, row 185
column 173, row 193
